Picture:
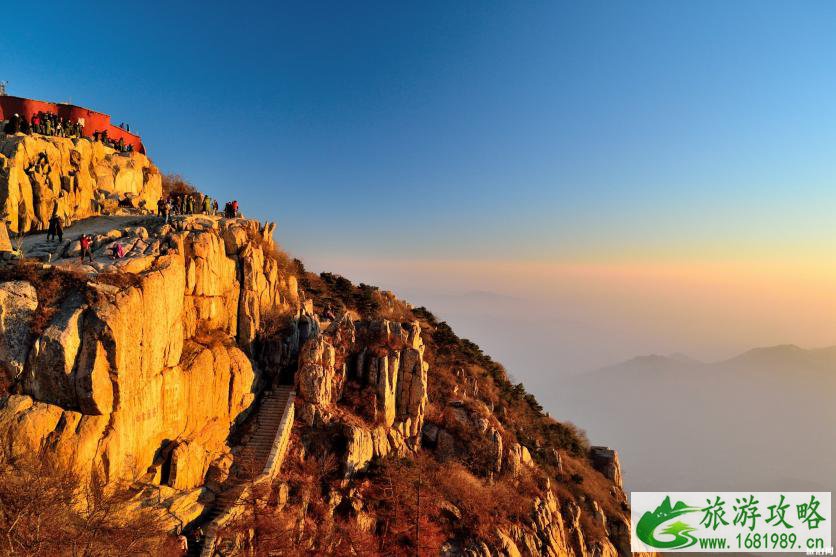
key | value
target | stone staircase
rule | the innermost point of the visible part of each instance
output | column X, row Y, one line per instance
column 258, row 461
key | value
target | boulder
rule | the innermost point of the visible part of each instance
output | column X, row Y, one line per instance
column 605, row 460
column 516, row 458
column 52, row 359
column 189, row 464
column 5, row 242
column 359, row 449
column 316, row 375
column 18, row 301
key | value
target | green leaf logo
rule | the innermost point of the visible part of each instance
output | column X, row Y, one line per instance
column 679, row 533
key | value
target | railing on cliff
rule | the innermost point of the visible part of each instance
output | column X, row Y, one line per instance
column 268, row 473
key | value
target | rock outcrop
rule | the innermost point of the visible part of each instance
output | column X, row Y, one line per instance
column 82, row 177
column 384, row 360
column 605, row 460
column 156, row 365
column 18, row 301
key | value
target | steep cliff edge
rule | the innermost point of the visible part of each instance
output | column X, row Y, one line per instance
column 140, row 374
column 150, row 371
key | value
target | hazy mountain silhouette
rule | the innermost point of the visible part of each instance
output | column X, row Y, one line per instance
column 749, row 422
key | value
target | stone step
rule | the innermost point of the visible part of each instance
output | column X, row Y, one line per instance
column 261, row 440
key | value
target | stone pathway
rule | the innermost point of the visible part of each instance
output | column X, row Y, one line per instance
column 260, row 459
column 93, row 225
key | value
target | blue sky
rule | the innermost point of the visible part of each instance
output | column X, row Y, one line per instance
column 382, row 135
column 555, row 129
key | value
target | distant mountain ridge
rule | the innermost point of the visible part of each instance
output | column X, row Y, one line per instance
column 781, row 354
column 747, row 422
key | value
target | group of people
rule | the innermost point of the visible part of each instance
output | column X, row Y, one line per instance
column 183, row 541
column 45, row 123
column 187, row 204
column 231, row 209
column 119, row 145
column 174, row 204
column 117, row 249
column 49, row 123
column 56, row 226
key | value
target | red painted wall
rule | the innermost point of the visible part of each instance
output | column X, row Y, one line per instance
column 93, row 121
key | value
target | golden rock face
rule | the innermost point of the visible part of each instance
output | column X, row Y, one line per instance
column 83, row 178
column 107, row 384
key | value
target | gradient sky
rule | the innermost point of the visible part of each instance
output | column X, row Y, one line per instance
column 684, row 149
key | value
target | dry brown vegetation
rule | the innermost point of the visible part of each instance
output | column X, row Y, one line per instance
column 52, row 286
column 174, row 183
column 339, row 293
column 463, row 479
column 47, row 510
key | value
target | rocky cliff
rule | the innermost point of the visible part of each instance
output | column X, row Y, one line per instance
column 83, row 177
column 148, row 371
column 140, row 366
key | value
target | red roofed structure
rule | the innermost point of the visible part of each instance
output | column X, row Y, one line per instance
column 93, row 121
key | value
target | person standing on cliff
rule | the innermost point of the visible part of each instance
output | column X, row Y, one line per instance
column 59, row 229
column 183, row 541
column 14, row 123
column 50, row 232
column 85, row 242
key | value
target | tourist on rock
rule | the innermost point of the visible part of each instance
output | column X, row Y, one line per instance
column 207, row 204
column 235, row 208
column 14, row 123
column 59, row 229
column 214, row 206
column 183, row 542
column 50, row 232
column 117, row 250
column 197, row 535
column 86, row 241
